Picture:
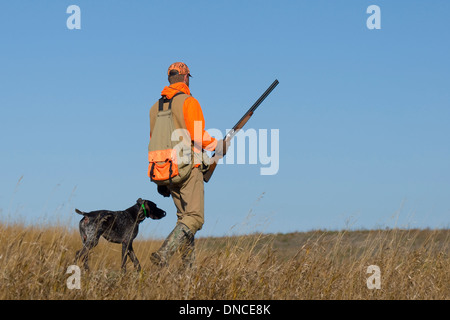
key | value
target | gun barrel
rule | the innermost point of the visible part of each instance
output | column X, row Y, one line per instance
column 264, row 95
column 250, row 111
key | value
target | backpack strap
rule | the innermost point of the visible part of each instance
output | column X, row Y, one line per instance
column 161, row 104
column 164, row 100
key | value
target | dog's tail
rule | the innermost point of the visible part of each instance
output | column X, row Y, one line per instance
column 80, row 212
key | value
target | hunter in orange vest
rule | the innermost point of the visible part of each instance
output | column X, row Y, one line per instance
column 182, row 112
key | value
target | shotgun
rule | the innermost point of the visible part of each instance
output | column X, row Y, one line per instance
column 207, row 175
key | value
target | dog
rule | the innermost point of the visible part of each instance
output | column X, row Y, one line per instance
column 117, row 227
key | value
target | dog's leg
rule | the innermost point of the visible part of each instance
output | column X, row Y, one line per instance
column 88, row 244
column 124, row 256
column 128, row 251
column 133, row 257
column 83, row 255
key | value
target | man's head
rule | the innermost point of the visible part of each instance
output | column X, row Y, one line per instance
column 178, row 72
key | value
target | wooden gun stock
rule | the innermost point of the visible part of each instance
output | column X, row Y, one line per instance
column 241, row 123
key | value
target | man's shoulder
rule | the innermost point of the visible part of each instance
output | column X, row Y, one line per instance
column 155, row 105
column 190, row 100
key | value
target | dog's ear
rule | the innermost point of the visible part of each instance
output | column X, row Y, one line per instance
column 139, row 200
column 79, row 212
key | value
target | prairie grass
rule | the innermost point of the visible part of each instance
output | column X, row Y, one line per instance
column 414, row 264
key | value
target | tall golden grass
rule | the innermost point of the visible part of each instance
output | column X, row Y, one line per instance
column 414, row 264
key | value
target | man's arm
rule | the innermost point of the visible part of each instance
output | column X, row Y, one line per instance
column 195, row 124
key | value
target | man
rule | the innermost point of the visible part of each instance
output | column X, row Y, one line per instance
column 188, row 195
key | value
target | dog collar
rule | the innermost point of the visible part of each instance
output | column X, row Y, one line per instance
column 145, row 211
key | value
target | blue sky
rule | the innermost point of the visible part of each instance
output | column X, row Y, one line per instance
column 363, row 115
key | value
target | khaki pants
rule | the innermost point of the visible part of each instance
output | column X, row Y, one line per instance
column 189, row 198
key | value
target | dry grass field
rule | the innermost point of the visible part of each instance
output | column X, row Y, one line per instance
column 414, row 264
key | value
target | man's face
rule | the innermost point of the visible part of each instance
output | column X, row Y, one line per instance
column 186, row 79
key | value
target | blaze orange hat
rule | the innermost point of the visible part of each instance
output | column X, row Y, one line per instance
column 180, row 67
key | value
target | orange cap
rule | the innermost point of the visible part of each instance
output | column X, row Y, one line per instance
column 181, row 67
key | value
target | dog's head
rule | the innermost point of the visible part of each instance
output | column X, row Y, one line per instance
column 148, row 209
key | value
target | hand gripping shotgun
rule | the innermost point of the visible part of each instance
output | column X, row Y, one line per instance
column 207, row 175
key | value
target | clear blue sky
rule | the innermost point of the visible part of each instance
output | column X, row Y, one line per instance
column 363, row 115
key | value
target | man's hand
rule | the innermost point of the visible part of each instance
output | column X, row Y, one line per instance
column 164, row 191
column 221, row 148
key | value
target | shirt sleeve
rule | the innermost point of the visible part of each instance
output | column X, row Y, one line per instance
column 195, row 124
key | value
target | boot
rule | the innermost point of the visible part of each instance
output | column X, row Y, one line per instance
column 188, row 254
column 180, row 238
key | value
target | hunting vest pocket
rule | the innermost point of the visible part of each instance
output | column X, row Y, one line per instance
column 162, row 165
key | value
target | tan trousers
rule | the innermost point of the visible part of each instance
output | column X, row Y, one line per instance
column 189, row 198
